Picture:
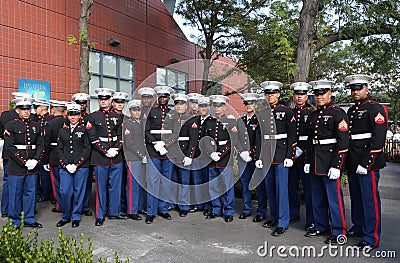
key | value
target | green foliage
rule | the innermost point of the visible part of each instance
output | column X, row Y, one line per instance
column 17, row 247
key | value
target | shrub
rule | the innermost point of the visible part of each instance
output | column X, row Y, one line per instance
column 17, row 247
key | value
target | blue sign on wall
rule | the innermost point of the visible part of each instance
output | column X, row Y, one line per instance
column 36, row 88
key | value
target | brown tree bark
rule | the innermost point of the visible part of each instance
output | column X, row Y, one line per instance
column 305, row 49
column 84, row 45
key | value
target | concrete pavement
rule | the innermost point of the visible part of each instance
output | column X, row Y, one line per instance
column 195, row 239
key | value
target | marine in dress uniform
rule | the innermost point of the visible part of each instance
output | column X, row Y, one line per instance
column 247, row 129
column 302, row 112
column 6, row 117
column 159, row 136
column 136, row 159
column 147, row 96
column 327, row 144
column 199, row 158
column 24, row 142
column 104, row 128
column 278, row 124
column 222, row 132
column 193, row 104
column 50, row 160
column 118, row 104
column 73, row 152
column 44, row 191
column 368, row 125
column 178, row 151
column 82, row 99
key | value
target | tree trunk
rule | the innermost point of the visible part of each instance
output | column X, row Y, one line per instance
column 307, row 31
column 84, row 76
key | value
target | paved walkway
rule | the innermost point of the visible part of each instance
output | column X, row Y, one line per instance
column 195, row 239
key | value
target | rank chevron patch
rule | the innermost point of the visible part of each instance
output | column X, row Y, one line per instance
column 379, row 119
column 343, row 126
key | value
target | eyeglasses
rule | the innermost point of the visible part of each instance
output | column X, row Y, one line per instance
column 218, row 104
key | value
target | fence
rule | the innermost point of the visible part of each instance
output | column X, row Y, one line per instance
column 392, row 150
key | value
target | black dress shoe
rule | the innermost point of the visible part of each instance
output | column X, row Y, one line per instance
column 122, row 217
column 183, row 213
column 316, row 233
column 87, row 213
column 99, row 222
column 269, row 224
column 135, row 217
column 207, row 212
column 309, row 227
column 352, row 233
column 334, row 240
column 365, row 245
column 149, row 219
column 42, row 199
column 142, row 212
column 165, row 216
column 244, row 215
column 4, row 215
column 62, row 223
column 75, row 223
column 34, row 225
column 54, row 210
column 258, row 218
column 228, row 219
column 212, row 215
column 278, row 231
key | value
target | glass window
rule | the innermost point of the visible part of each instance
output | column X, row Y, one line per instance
column 94, row 62
column 110, row 65
column 161, row 76
column 172, row 78
column 126, row 67
column 109, row 71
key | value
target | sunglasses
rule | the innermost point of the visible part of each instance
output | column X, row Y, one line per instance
column 251, row 102
column 218, row 104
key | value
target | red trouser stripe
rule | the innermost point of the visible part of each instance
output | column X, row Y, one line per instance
column 97, row 199
column 376, row 208
column 53, row 184
column 130, row 206
column 341, row 207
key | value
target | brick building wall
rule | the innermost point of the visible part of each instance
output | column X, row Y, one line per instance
column 34, row 44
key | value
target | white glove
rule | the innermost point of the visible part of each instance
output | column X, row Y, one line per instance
column 288, row 162
column 361, row 170
column 333, row 173
column 158, row 145
column 31, row 164
column 298, row 152
column 71, row 168
column 307, row 168
column 187, row 161
column 46, row 167
column 259, row 164
column 215, row 156
column 112, row 152
column 245, row 155
column 144, row 159
column 163, row 151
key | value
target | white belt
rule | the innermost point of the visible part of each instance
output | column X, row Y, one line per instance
column 53, row 144
column 183, row 139
column 303, row 138
column 275, row 137
column 219, row 143
column 105, row 139
column 26, row 147
column 361, row 136
column 325, row 141
column 160, row 131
